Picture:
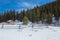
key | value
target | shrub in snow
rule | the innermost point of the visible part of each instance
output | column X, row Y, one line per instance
column 25, row 21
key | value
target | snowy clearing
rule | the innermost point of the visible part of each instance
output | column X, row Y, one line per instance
column 43, row 33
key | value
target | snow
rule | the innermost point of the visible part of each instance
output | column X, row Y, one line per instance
column 41, row 33
column 27, row 32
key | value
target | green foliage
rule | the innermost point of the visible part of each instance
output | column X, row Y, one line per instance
column 25, row 20
column 36, row 14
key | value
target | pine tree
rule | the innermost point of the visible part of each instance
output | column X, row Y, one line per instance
column 49, row 18
column 0, row 18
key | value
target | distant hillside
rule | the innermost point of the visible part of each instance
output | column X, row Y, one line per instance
column 43, row 12
column 39, row 13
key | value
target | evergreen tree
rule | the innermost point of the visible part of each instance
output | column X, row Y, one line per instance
column 49, row 18
column 0, row 18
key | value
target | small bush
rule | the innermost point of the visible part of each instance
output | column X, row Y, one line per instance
column 25, row 21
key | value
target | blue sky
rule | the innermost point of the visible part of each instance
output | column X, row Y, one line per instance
column 21, row 4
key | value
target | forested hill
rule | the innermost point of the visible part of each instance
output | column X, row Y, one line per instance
column 45, row 12
column 38, row 13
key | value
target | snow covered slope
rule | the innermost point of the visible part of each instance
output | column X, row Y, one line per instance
column 50, row 33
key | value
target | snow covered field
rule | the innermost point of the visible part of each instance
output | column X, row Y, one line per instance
column 42, row 33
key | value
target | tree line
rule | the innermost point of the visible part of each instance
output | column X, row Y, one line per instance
column 38, row 13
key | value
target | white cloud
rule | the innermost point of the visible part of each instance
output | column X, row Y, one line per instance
column 28, row 5
column 25, row 5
